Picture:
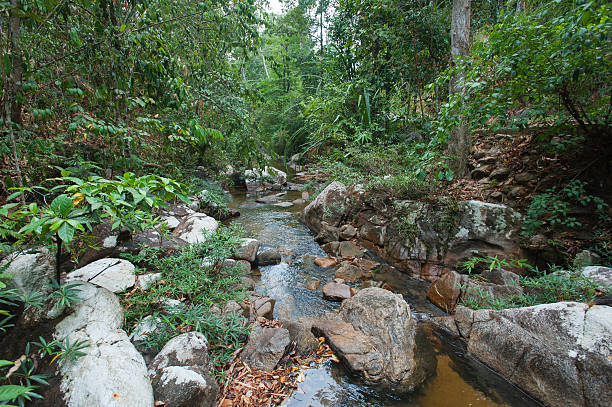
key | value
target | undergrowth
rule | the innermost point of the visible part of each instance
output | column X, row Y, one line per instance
column 539, row 287
column 196, row 277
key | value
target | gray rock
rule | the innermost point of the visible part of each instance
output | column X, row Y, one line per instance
column 269, row 257
column 327, row 233
column 331, row 248
column 485, row 228
column 349, row 250
column 481, row 172
column 247, row 282
column 328, row 206
column 112, row 372
column 256, row 178
column 266, row 347
column 145, row 281
column 268, row 199
column 115, row 275
column 525, row 177
column 377, row 338
column 558, row 353
column 351, row 273
column 337, row 291
column 300, row 334
column 247, row 250
column 347, row 232
column 601, row 275
column 587, row 258
column 501, row 277
column 171, row 221
column 196, row 228
column 181, row 373
column 31, row 272
column 373, row 233
column 261, row 306
column 284, row 204
column 500, row 174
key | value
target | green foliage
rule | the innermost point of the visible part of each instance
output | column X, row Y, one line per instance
column 195, row 275
column 493, row 263
column 539, row 288
column 23, row 370
column 553, row 208
column 551, row 65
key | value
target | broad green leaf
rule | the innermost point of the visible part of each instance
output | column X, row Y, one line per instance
column 62, row 205
column 11, row 391
column 66, row 232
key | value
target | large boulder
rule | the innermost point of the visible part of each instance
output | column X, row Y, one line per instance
column 115, row 275
column 196, row 227
column 376, row 337
column 111, row 372
column 421, row 235
column 181, row 373
column 602, row 276
column 257, row 178
column 561, row 353
column 31, row 272
column 266, row 347
column 486, row 228
column 328, row 206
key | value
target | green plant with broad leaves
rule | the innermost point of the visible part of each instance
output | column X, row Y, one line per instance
column 129, row 202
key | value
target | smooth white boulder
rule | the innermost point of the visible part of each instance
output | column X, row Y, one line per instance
column 115, row 275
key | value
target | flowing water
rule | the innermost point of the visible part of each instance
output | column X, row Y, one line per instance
column 459, row 380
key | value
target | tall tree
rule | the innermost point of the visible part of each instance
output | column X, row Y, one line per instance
column 459, row 141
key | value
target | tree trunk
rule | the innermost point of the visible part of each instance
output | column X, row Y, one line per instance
column 459, row 142
column 17, row 66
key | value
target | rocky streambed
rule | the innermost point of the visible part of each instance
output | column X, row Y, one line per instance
column 341, row 269
column 447, row 376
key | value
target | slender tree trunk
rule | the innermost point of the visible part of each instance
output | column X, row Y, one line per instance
column 459, row 142
column 263, row 58
column 17, row 66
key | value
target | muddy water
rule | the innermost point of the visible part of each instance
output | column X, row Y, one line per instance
column 459, row 380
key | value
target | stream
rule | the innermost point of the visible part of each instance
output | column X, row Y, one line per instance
column 459, row 381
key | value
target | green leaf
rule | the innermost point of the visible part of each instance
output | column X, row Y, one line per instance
column 10, row 391
column 4, row 363
column 62, row 205
column 66, row 232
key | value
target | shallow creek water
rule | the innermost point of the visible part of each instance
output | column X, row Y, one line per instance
column 459, row 380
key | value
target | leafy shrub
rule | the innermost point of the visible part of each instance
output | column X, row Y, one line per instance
column 551, row 64
column 127, row 202
column 553, row 207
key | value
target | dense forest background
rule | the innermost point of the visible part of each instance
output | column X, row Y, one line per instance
column 396, row 89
